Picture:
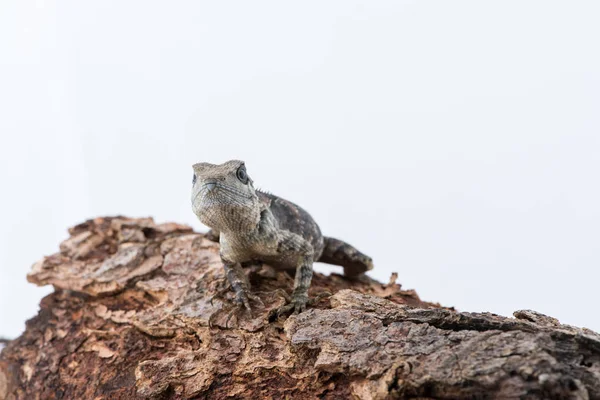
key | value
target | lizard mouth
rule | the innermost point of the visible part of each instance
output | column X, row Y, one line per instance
column 219, row 193
column 205, row 189
column 201, row 194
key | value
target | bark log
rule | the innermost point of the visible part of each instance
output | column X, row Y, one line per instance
column 141, row 311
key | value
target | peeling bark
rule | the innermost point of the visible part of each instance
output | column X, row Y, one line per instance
column 141, row 310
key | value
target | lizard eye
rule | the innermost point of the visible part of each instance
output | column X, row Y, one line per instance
column 242, row 175
column 194, row 180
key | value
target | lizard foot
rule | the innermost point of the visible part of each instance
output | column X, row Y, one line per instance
column 243, row 300
column 241, row 306
column 219, row 293
column 297, row 303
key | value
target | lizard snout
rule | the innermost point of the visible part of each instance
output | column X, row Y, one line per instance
column 210, row 186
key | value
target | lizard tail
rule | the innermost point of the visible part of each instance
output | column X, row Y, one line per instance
column 340, row 253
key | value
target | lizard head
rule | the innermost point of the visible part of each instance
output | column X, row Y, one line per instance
column 223, row 196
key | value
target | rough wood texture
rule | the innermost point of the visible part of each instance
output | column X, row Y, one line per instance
column 132, row 318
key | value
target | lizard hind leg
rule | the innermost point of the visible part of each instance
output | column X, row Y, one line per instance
column 340, row 253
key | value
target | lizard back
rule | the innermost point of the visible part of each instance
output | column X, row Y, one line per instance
column 295, row 219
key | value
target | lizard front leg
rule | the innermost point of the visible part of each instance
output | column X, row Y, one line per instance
column 239, row 282
column 304, row 273
column 294, row 247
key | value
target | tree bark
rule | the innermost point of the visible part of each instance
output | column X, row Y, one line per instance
column 142, row 310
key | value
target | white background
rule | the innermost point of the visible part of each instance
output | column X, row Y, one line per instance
column 457, row 143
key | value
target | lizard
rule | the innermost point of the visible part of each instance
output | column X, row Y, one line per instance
column 255, row 226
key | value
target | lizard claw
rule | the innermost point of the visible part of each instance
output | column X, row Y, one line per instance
column 256, row 299
column 219, row 293
column 242, row 305
column 297, row 304
column 318, row 298
column 284, row 294
column 244, row 301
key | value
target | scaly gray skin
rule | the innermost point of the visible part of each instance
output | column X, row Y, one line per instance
column 253, row 226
